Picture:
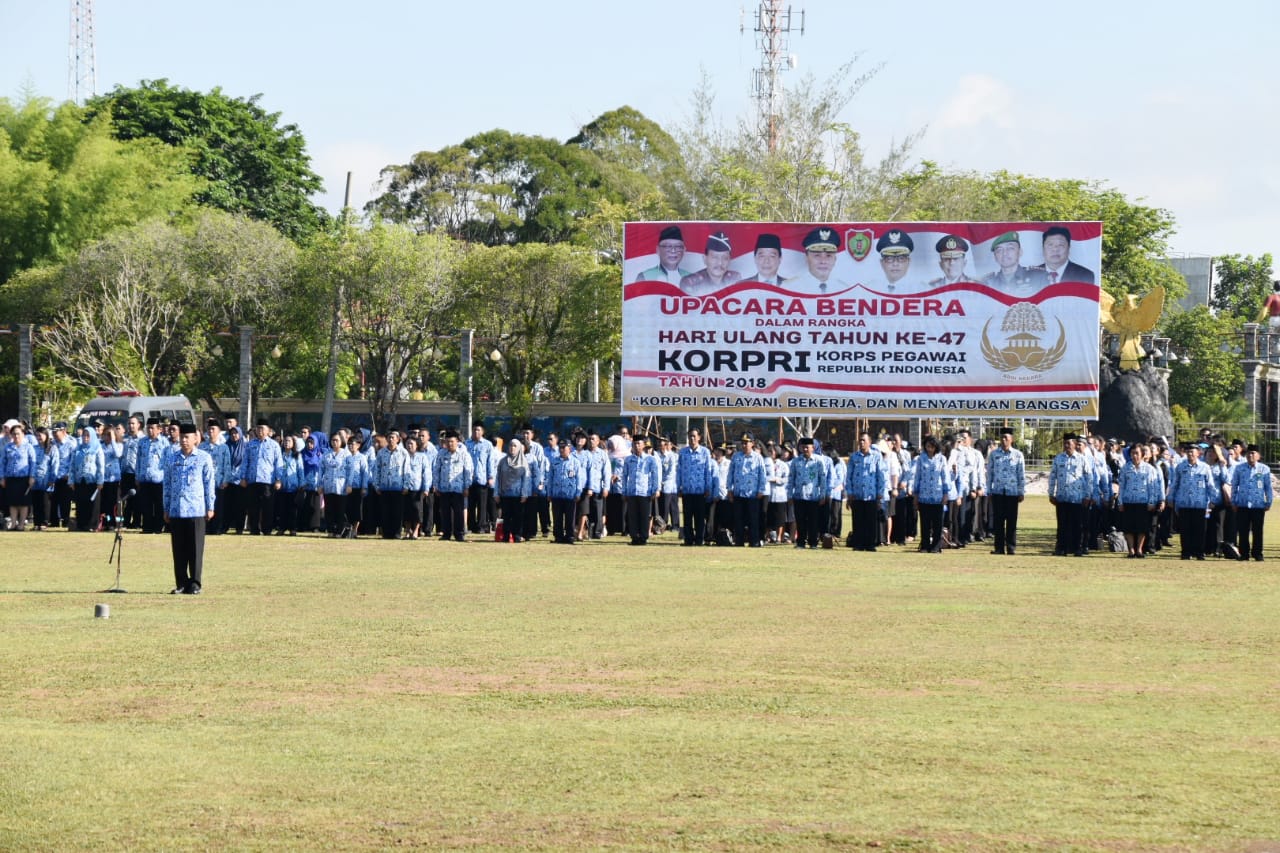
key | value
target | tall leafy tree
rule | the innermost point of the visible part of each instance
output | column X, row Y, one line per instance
column 550, row 311
column 1214, row 375
column 398, row 300
column 499, row 188
column 65, row 181
column 253, row 165
column 138, row 310
column 1243, row 284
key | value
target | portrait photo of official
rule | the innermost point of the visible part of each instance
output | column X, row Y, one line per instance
column 768, row 258
column 717, row 255
column 1058, row 266
column 895, row 248
column 952, row 251
column 670, row 258
column 821, row 250
column 1010, row 275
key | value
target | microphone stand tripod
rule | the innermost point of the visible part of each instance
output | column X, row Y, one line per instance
column 117, row 545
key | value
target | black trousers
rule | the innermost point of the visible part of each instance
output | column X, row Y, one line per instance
column 930, row 527
column 1249, row 524
column 335, row 512
column 129, row 482
column 186, row 539
column 809, row 515
column 512, row 518
column 262, row 507
column 866, row 524
column 1071, row 518
column 355, row 508
column 746, row 520
column 615, row 512
column 62, row 492
column 234, row 499
column 669, row 505
column 639, row 513
column 391, row 512
column 595, row 516
column 88, row 499
column 151, row 507
column 453, row 514
column 564, row 512
column 478, row 501
column 1004, row 513
column 1191, row 524
column 695, row 518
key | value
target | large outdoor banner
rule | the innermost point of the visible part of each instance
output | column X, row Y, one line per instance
column 919, row 319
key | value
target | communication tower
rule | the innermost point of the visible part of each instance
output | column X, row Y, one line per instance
column 82, row 72
column 773, row 38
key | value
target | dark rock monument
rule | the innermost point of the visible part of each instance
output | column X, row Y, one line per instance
column 1133, row 404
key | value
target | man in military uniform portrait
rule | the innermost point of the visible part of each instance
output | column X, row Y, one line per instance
column 1012, row 277
column 670, row 254
column 895, row 248
column 716, row 274
column 821, row 247
column 952, row 251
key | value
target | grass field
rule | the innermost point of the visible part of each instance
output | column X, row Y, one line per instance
column 369, row 694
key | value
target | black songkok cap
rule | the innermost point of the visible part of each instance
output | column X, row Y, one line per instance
column 188, row 429
column 769, row 241
column 671, row 232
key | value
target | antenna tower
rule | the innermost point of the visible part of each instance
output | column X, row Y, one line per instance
column 773, row 36
column 82, row 71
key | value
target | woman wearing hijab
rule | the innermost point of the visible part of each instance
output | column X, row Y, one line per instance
column 233, row 493
column 514, row 483
column 86, row 477
column 291, row 475
column 313, row 451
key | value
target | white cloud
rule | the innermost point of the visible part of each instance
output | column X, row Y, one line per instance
column 978, row 99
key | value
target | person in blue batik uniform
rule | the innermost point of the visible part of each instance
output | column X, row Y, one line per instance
column 747, row 485
column 809, row 487
column 565, row 482
column 1250, row 499
column 932, row 487
column 454, row 474
column 190, row 495
column 641, row 480
column 1192, row 490
column 88, row 469
column 1006, row 487
column 695, row 481
column 866, row 485
column 1071, row 491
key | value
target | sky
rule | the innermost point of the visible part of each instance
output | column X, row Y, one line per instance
column 1172, row 103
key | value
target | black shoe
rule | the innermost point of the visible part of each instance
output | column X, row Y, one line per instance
column 193, row 590
column 1059, row 553
column 1258, row 558
column 1242, row 559
column 1081, row 553
column 997, row 550
column 1199, row 556
column 1009, row 551
column 178, row 590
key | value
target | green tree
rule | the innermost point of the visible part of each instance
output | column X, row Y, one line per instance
column 551, row 309
column 1214, row 376
column 398, row 300
column 1243, row 284
column 500, row 188
column 137, row 310
column 65, row 181
column 253, row 165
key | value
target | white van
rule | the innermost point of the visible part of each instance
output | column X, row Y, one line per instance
column 116, row 407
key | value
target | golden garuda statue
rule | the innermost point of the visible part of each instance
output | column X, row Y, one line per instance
column 1129, row 319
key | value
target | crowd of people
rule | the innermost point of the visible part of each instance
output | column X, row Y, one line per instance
column 411, row 485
